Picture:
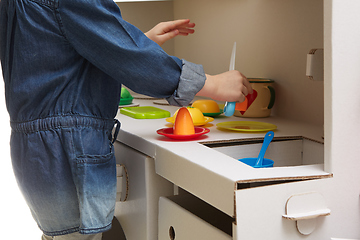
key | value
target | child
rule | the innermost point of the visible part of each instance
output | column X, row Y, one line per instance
column 63, row 65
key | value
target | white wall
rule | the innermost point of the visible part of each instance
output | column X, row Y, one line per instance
column 273, row 38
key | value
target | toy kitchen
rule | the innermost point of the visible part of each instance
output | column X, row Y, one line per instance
column 305, row 54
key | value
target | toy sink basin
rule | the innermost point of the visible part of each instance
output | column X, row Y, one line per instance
column 284, row 151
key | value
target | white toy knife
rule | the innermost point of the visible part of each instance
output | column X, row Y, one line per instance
column 229, row 107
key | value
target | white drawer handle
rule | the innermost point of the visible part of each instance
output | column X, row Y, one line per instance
column 308, row 215
column 304, row 209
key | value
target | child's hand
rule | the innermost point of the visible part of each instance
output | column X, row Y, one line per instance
column 230, row 86
column 167, row 30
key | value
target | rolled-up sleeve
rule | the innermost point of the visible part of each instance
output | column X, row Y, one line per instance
column 96, row 30
column 192, row 79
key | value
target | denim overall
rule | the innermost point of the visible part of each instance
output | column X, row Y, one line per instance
column 63, row 64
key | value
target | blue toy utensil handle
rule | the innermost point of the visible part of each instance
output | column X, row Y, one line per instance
column 229, row 109
column 267, row 139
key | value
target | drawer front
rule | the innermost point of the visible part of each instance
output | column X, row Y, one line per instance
column 178, row 223
column 268, row 212
column 138, row 215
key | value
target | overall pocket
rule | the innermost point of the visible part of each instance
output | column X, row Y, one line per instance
column 95, row 180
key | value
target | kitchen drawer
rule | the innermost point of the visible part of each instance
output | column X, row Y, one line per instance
column 185, row 217
column 267, row 212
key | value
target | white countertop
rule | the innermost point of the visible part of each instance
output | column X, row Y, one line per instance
column 206, row 172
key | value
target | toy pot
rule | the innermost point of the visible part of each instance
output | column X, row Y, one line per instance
column 264, row 101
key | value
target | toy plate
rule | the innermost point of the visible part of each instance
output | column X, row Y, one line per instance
column 247, row 126
column 145, row 112
column 169, row 132
column 213, row 114
column 126, row 101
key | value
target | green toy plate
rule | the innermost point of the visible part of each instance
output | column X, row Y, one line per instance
column 145, row 112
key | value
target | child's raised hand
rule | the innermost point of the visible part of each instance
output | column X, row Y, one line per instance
column 167, row 30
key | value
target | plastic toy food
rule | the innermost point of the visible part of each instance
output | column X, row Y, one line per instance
column 126, row 97
column 125, row 93
column 206, row 106
column 183, row 123
column 183, row 128
column 196, row 115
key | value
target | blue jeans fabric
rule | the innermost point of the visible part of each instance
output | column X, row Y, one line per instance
column 73, row 236
column 71, row 56
column 65, row 169
column 63, row 64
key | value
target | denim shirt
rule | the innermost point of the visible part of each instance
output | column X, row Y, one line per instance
column 63, row 64
column 70, row 57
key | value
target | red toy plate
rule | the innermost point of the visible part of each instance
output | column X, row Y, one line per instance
column 169, row 132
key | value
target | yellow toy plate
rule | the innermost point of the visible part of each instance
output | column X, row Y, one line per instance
column 247, row 126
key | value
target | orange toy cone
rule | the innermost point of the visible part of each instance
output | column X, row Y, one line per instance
column 183, row 123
